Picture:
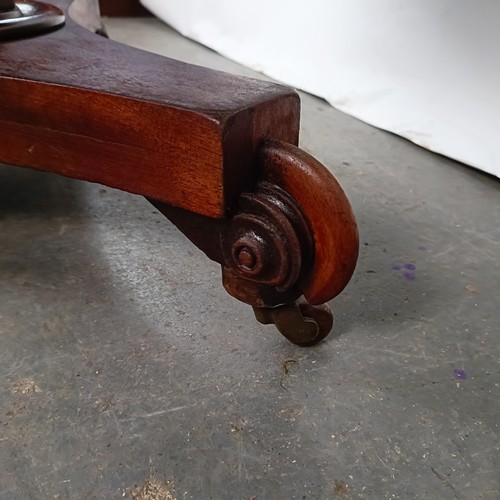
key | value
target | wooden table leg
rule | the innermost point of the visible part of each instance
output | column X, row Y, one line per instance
column 214, row 152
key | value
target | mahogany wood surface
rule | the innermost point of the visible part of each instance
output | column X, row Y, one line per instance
column 90, row 108
column 329, row 213
column 123, row 8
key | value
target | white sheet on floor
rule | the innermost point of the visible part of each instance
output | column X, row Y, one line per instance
column 428, row 70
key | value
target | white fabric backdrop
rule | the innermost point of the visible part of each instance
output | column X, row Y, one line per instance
column 428, row 70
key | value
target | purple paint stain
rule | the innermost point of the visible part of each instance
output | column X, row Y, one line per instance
column 409, row 275
column 407, row 269
column 422, row 248
column 459, row 374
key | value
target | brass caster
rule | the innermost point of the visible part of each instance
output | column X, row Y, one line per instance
column 301, row 323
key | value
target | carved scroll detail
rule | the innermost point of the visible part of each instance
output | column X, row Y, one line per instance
column 268, row 239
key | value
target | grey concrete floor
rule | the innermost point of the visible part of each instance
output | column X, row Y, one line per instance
column 127, row 371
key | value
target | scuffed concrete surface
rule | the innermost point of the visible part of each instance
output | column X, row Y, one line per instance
column 122, row 358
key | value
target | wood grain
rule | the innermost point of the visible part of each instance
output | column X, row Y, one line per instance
column 330, row 216
column 77, row 104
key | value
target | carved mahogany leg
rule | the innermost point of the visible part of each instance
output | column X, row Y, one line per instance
column 291, row 246
column 214, row 152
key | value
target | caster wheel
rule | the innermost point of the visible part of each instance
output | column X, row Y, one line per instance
column 302, row 323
